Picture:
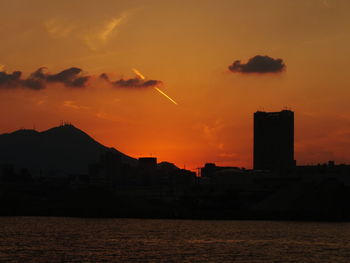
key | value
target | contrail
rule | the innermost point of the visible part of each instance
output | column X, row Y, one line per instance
column 161, row 92
column 138, row 73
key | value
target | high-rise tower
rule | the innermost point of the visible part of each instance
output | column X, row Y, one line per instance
column 273, row 140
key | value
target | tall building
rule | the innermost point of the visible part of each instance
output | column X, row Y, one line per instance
column 273, row 140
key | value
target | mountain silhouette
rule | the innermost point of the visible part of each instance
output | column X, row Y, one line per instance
column 64, row 148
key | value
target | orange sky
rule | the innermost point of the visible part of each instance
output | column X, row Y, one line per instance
column 188, row 45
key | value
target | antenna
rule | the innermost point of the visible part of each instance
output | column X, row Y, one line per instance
column 65, row 123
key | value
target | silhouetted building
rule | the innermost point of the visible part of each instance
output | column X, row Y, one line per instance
column 210, row 169
column 273, row 140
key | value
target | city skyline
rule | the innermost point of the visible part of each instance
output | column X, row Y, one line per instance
column 273, row 146
column 203, row 57
column 175, row 131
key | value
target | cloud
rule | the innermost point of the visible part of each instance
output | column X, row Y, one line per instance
column 99, row 35
column 71, row 78
column 258, row 64
column 34, row 84
column 104, row 76
column 110, row 26
column 38, row 80
column 93, row 34
column 136, row 82
column 58, row 29
column 8, row 80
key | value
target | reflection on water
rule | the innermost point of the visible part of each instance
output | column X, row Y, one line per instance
column 42, row 239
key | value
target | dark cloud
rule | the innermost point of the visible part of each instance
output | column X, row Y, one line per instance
column 33, row 84
column 69, row 77
column 151, row 83
column 8, row 80
column 258, row 64
column 104, row 76
column 135, row 82
column 131, row 83
column 38, row 80
column 80, row 82
column 38, row 74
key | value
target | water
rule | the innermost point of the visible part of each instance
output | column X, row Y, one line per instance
column 44, row 239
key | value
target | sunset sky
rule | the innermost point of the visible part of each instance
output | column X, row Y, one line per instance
column 185, row 48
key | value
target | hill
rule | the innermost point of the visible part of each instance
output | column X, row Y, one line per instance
column 64, row 148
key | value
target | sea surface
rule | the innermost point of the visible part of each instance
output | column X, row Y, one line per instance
column 52, row 239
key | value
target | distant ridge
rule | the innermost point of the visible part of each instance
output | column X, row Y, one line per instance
column 64, row 148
